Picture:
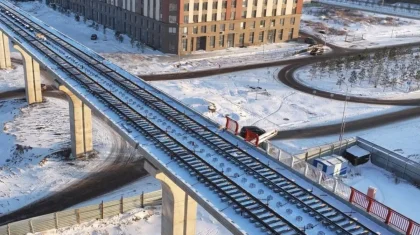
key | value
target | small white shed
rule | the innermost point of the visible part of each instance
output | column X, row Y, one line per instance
column 332, row 165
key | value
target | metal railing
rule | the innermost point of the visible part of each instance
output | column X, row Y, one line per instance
column 376, row 209
column 71, row 217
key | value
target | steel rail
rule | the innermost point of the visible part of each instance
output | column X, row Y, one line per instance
column 130, row 112
column 257, row 175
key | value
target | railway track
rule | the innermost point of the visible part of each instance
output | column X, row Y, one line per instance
column 243, row 202
column 229, row 191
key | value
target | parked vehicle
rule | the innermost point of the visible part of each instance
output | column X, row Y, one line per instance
column 254, row 129
column 93, row 37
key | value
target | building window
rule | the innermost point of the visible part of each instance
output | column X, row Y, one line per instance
column 243, row 25
column 224, row 5
column 262, row 23
column 283, row 11
column 205, row 6
column 255, row 2
column 243, row 14
column 231, row 26
column 290, row 36
column 232, row 15
column 282, row 22
column 241, row 39
column 196, row 6
column 185, row 30
column 184, row 44
column 222, row 27
column 204, row 18
column 172, row 19
column 214, row 5
column 172, row 6
column 223, row 16
column 264, row 13
column 251, row 37
column 273, row 23
column 195, row 30
column 254, row 13
column 214, row 17
column 245, row 3
column 294, row 10
column 233, row 3
column 292, row 20
column 261, row 37
column 265, row 2
column 213, row 28
column 212, row 41
column 186, row 19
column 195, row 18
column 274, row 12
column 186, row 7
column 172, row 30
column 221, row 40
column 284, row 1
column 252, row 26
column 203, row 29
column 281, row 34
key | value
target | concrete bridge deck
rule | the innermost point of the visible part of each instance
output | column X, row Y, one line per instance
column 196, row 160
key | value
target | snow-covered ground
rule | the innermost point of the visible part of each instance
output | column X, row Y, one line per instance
column 12, row 79
column 138, row 222
column 396, row 8
column 150, row 61
column 401, row 137
column 256, row 97
column 206, row 224
column 401, row 196
column 376, row 29
column 31, row 133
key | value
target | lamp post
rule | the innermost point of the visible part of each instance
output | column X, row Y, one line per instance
column 343, row 121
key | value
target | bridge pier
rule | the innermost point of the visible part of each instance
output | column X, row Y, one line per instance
column 179, row 211
column 32, row 77
column 5, row 61
column 80, row 125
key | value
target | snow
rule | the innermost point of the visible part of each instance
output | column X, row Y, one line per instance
column 381, row 9
column 400, row 137
column 402, row 196
column 274, row 106
column 206, row 224
column 40, row 132
column 80, row 31
column 357, row 151
column 164, row 162
column 151, row 61
column 12, row 78
column 376, row 29
column 138, row 222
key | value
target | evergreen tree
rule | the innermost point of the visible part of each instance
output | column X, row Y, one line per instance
column 353, row 78
column 362, row 75
column 340, row 80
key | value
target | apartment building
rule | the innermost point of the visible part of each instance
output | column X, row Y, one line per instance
column 184, row 26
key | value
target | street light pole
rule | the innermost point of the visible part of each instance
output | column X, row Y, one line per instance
column 343, row 121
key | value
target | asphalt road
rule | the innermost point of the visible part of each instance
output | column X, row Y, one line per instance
column 355, row 125
column 118, row 170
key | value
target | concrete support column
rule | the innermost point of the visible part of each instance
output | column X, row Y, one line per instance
column 32, row 77
column 80, row 125
column 5, row 61
column 179, row 211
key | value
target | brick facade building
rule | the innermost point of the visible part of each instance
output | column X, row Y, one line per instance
column 183, row 26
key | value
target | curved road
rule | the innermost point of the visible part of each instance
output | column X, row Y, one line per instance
column 118, row 170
